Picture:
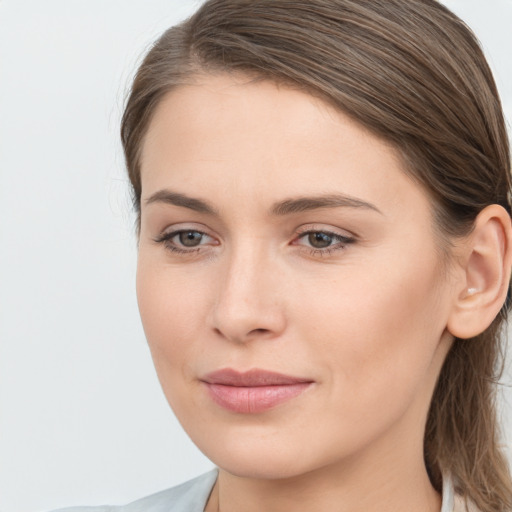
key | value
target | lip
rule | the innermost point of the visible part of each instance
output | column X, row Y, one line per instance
column 253, row 391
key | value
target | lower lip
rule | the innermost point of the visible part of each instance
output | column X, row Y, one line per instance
column 255, row 399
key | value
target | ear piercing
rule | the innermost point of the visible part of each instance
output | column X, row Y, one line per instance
column 472, row 291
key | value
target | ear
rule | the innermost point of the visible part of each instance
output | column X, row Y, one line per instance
column 486, row 265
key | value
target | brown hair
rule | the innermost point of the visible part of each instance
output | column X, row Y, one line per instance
column 414, row 74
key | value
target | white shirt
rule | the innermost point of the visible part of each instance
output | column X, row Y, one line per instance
column 192, row 496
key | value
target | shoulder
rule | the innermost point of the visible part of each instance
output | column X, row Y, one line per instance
column 454, row 502
column 190, row 496
column 461, row 505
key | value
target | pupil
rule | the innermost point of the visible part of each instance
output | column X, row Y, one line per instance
column 319, row 240
column 190, row 238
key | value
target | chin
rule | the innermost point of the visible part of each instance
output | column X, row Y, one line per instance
column 261, row 466
column 252, row 455
column 257, row 454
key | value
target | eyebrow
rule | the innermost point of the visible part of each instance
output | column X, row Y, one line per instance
column 281, row 208
column 304, row 204
column 177, row 199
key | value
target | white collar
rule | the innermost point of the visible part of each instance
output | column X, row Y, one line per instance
column 448, row 494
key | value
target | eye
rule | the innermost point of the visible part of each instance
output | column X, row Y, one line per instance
column 189, row 238
column 185, row 240
column 320, row 241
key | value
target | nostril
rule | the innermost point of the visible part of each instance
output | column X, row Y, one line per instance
column 242, row 336
column 259, row 331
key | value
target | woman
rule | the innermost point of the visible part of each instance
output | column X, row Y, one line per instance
column 323, row 190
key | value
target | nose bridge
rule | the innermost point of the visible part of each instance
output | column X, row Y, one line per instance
column 247, row 303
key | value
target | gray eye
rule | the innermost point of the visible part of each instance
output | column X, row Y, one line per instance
column 190, row 238
column 320, row 240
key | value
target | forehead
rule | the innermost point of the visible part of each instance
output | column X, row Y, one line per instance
column 264, row 110
column 230, row 135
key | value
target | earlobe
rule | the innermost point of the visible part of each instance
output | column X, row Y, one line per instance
column 486, row 261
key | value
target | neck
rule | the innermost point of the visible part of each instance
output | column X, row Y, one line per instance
column 389, row 478
column 235, row 494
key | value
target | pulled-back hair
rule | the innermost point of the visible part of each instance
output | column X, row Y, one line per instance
column 412, row 73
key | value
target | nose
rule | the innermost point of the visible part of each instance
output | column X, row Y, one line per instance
column 248, row 304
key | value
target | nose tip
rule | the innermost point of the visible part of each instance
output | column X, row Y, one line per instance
column 248, row 305
column 245, row 320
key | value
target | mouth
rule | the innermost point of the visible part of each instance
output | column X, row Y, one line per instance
column 253, row 391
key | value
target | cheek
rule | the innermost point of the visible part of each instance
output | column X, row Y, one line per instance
column 171, row 308
column 378, row 330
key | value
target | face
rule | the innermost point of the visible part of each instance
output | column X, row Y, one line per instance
column 289, row 280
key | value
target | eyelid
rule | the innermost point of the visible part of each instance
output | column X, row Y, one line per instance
column 184, row 226
column 322, row 228
column 166, row 236
column 341, row 241
column 171, row 234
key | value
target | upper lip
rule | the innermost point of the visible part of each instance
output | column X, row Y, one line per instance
column 252, row 378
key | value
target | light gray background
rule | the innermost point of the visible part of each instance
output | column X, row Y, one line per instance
column 82, row 417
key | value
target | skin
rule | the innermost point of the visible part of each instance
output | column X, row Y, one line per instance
column 366, row 320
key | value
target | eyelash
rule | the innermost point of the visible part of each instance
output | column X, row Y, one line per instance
column 166, row 240
column 342, row 241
